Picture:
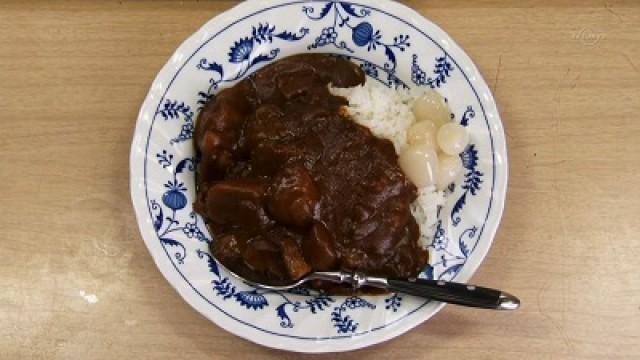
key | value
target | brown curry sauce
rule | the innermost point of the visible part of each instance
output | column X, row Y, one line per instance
column 289, row 184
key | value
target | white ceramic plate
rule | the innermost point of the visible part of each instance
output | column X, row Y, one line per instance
column 394, row 45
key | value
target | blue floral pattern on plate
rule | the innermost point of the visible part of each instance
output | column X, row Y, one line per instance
column 248, row 53
column 399, row 56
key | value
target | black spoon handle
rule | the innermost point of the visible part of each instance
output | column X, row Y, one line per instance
column 455, row 293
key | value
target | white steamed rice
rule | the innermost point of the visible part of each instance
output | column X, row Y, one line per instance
column 387, row 113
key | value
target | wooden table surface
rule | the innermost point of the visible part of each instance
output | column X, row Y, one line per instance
column 76, row 281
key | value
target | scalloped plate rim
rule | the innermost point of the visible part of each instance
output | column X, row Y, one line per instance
column 178, row 282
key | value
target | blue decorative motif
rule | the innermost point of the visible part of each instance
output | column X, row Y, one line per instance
column 467, row 241
column 203, row 98
column 376, row 72
column 164, row 159
column 256, row 299
column 369, row 69
column 428, row 272
column 241, row 50
column 469, row 158
column 174, row 200
column 393, row 302
column 468, row 114
column 328, row 35
column 449, row 260
column 362, row 34
column 247, row 53
column 223, row 287
column 317, row 302
column 252, row 299
column 472, row 181
column 442, row 71
column 345, row 323
column 440, row 240
column 191, row 230
column 175, row 110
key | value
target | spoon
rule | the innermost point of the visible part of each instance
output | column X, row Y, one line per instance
column 439, row 290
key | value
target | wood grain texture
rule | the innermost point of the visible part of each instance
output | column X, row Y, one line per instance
column 566, row 76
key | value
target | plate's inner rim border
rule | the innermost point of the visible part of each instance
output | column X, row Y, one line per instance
column 186, row 61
